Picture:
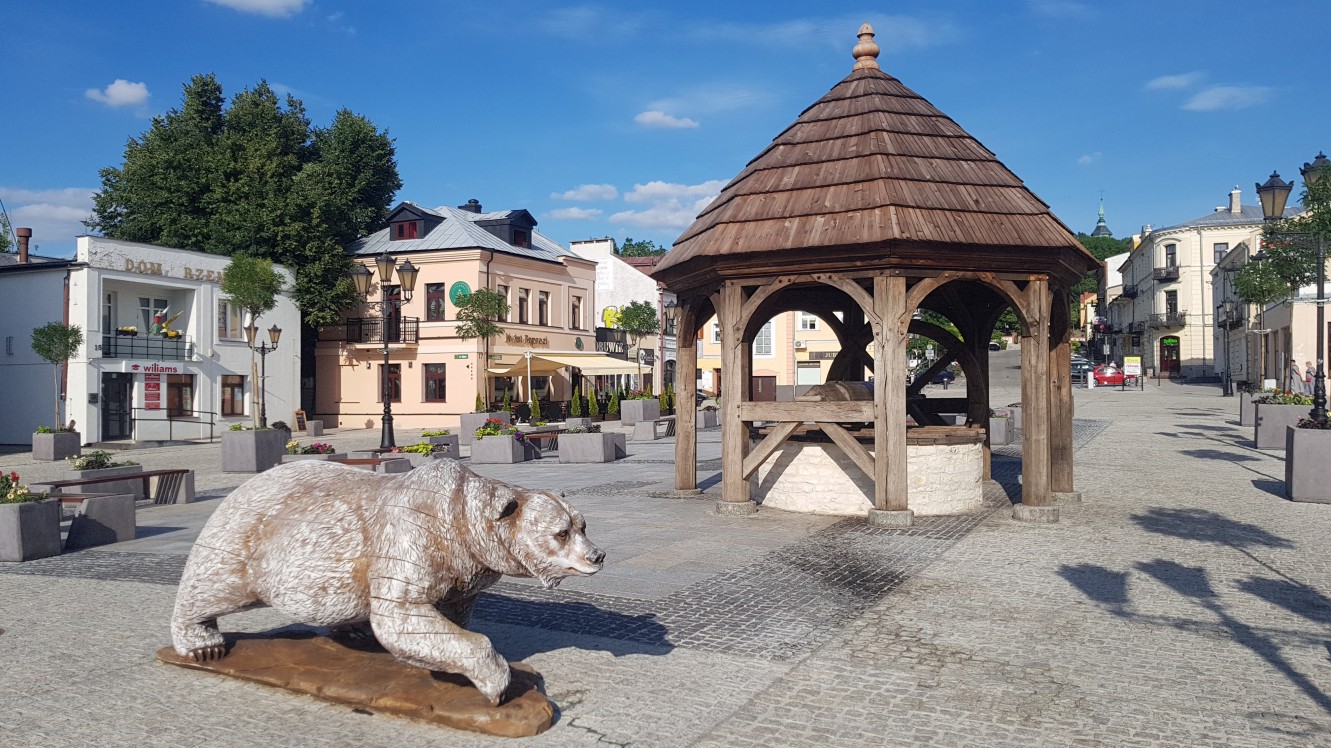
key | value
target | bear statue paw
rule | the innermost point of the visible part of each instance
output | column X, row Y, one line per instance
column 209, row 653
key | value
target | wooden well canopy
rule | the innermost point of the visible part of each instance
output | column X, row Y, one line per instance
column 872, row 205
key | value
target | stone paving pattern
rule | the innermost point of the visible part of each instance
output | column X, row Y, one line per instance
column 1182, row 603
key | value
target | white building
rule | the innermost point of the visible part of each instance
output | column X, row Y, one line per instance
column 620, row 282
column 146, row 384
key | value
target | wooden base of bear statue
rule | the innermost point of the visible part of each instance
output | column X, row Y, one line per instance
column 397, row 559
column 371, row 679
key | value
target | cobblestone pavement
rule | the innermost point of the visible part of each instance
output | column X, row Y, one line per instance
column 1183, row 603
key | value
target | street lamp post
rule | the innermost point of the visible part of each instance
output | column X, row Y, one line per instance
column 1274, row 193
column 407, row 278
column 1227, row 310
column 671, row 314
column 274, row 334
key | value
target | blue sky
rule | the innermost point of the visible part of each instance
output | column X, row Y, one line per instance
column 623, row 119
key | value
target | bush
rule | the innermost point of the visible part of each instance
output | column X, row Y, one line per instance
column 281, row 425
column 576, row 409
column 98, row 460
column 480, row 403
column 595, row 428
column 43, row 430
column 422, row 448
column 593, row 404
column 239, row 427
column 434, row 432
column 613, row 408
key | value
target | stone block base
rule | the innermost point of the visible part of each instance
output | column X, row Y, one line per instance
column 1039, row 514
column 891, row 518
column 314, row 428
column 735, row 508
column 372, row 679
column 101, row 521
column 1066, row 497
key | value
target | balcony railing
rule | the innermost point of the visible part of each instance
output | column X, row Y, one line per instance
column 1167, row 273
column 371, row 330
column 1167, row 319
column 153, row 347
column 1129, row 292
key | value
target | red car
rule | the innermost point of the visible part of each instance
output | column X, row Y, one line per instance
column 1108, row 375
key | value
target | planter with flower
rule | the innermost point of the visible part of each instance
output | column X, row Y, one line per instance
column 1273, row 412
column 98, row 464
column 128, row 331
column 590, row 444
column 471, row 422
column 420, row 453
column 446, row 443
column 576, row 419
column 29, row 522
column 499, row 442
column 247, row 450
column 1307, row 469
column 640, row 405
column 50, row 444
column 297, row 452
column 1247, row 393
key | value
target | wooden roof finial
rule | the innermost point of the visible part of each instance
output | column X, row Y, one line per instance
column 866, row 52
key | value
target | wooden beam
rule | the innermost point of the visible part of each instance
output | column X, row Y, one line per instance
column 889, row 431
column 854, row 291
column 734, row 391
column 851, row 446
column 686, row 417
column 1060, row 394
column 854, row 411
column 1035, row 399
column 771, row 443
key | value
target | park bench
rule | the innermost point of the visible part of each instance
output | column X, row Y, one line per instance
column 174, row 486
column 657, row 428
column 545, row 440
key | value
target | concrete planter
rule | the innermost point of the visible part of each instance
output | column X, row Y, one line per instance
column 314, row 428
column 1001, row 431
column 708, row 419
column 132, row 486
column 450, row 444
column 498, row 450
column 252, row 451
column 577, row 423
column 1307, row 469
column 473, row 421
column 57, row 446
column 632, row 411
column 1246, row 413
column 1269, row 422
column 29, row 531
column 1015, row 410
column 101, row 521
column 600, row 447
column 336, row 456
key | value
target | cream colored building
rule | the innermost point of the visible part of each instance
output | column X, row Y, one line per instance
column 793, row 348
column 433, row 374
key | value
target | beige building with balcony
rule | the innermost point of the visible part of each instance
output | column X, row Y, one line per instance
column 432, row 374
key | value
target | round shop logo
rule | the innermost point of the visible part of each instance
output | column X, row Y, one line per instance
column 458, row 293
column 577, row 343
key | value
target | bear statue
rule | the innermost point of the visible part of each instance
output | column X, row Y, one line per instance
column 401, row 557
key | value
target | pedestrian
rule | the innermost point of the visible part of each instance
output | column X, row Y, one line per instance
column 1295, row 376
column 1308, row 373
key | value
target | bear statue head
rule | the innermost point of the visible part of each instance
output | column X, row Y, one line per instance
column 539, row 535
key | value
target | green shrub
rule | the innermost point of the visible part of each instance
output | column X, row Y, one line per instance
column 613, row 408
column 575, row 410
column 434, row 432
column 97, row 460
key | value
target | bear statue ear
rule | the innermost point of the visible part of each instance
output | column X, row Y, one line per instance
column 510, row 508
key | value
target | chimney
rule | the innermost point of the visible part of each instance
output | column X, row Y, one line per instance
column 1234, row 206
column 24, row 235
column 473, row 206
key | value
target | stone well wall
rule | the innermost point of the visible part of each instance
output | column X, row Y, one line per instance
column 818, row 478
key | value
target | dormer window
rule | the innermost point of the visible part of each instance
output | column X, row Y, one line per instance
column 521, row 238
column 405, row 230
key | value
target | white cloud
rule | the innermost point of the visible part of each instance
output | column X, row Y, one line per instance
column 1066, row 9
column 55, row 216
column 892, row 33
column 670, row 205
column 120, row 93
column 588, row 192
column 270, row 8
column 663, row 120
column 1228, row 97
column 586, row 21
column 709, row 99
column 575, row 214
column 1174, row 82
column 1088, row 159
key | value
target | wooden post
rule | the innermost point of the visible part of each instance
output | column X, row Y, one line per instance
column 889, row 384
column 734, row 433
column 686, row 384
column 1036, row 502
column 1060, row 404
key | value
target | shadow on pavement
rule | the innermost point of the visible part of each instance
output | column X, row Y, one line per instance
column 568, row 624
column 1218, row 454
column 1208, row 527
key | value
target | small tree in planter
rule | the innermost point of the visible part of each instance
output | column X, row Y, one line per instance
column 477, row 314
column 480, row 403
column 1307, row 471
column 638, row 319
column 253, row 285
column 56, row 343
column 508, row 401
column 612, row 409
column 1273, row 412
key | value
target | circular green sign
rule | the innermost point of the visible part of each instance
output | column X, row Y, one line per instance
column 458, row 292
column 577, row 343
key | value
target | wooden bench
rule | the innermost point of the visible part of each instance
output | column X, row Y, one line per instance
column 174, row 486
column 545, row 440
column 657, row 428
column 377, row 463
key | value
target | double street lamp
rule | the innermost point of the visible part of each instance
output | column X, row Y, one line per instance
column 274, row 334
column 407, row 278
column 1274, row 194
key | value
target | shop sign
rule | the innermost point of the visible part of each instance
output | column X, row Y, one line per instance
column 153, row 367
column 461, row 355
column 527, row 340
column 152, row 391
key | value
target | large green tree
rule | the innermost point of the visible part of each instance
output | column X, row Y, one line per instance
column 634, row 248
column 258, row 178
column 6, row 240
column 638, row 319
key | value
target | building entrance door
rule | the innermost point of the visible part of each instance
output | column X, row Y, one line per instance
column 116, row 389
column 764, row 388
column 1169, row 355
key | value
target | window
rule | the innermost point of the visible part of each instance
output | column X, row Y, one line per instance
column 503, row 291
column 405, row 230
column 762, row 343
column 716, row 332
column 1171, row 302
column 435, row 296
column 1220, row 250
column 148, row 310
column 233, row 395
column 229, row 321
column 543, row 308
column 179, row 395
column 392, row 383
column 523, row 294
column 435, row 391
column 1171, row 255
column 394, row 321
column 575, row 313
column 109, row 312
column 521, row 238
column 808, row 321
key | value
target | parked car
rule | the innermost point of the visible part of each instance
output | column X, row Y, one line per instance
column 994, row 346
column 1080, row 368
column 1108, row 375
column 943, row 377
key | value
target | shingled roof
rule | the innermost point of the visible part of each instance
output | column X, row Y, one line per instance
column 872, row 167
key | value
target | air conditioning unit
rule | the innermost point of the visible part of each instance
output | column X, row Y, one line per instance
column 800, row 345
